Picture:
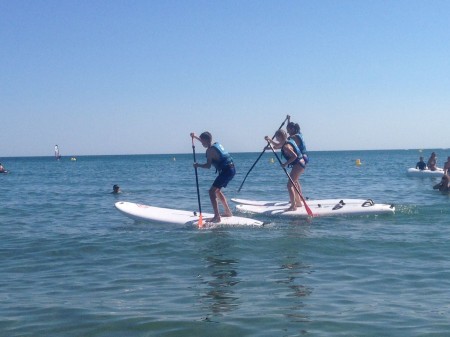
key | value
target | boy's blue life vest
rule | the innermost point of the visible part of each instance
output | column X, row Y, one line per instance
column 224, row 160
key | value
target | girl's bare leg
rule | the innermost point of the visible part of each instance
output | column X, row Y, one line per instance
column 291, row 191
column 296, row 171
column 298, row 200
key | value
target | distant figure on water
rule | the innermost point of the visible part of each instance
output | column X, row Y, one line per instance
column 447, row 167
column 2, row 169
column 57, row 155
column 444, row 184
column 432, row 162
column 421, row 164
column 116, row 189
column 294, row 159
column 217, row 156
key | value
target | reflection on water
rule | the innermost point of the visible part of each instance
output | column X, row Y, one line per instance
column 294, row 273
column 221, row 276
column 294, row 270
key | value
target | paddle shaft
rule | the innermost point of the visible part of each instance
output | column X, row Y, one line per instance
column 259, row 157
column 196, row 180
column 308, row 210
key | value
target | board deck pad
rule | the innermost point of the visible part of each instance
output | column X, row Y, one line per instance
column 178, row 217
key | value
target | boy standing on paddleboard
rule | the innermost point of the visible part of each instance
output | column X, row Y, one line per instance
column 222, row 161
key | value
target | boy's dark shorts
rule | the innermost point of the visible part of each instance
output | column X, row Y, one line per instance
column 225, row 177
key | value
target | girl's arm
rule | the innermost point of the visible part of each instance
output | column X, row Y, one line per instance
column 291, row 154
column 275, row 145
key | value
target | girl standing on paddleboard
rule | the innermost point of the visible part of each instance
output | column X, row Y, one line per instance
column 295, row 160
column 222, row 161
column 293, row 130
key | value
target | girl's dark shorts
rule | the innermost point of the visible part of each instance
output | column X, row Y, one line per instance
column 225, row 177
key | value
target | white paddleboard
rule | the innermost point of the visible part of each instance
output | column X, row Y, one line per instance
column 413, row 172
column 178, row 217
column 320, row 210
column 321, row 202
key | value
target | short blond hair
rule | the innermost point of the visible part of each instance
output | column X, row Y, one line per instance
column 281, row 133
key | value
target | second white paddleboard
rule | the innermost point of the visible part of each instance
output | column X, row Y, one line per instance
column 368, row 207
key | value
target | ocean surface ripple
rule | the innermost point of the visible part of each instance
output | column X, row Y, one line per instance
column 72, row 265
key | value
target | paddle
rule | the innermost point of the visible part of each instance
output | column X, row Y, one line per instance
column 200, row 219
column 264, row 150
column 308, row 210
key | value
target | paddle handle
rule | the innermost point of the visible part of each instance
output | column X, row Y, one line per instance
column 308, row 210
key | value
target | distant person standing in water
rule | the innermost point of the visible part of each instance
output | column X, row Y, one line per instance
column 443, row 185
column 421, row 164
column 447, row 166
column 432, row 162
column 116, row 189
column 217, row 156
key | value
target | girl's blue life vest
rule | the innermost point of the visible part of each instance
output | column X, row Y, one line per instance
column 224, row 160
column 301, row 141
column 301, row 146
column 296, row 150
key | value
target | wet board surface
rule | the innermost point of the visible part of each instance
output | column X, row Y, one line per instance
column 368, row 207
column 321, row 202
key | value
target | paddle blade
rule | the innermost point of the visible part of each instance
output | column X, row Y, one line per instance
column 200, row 221
column 308, row 210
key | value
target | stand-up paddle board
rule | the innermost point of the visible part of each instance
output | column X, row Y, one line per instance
column 178, row 217
column 413, row 172
column 368, row 207
column 321, row 202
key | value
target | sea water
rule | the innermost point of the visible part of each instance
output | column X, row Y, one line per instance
column 72, row 265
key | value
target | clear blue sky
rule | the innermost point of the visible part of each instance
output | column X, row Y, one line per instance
column 131, row 77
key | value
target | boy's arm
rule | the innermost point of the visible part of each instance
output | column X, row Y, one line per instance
column 209, row 159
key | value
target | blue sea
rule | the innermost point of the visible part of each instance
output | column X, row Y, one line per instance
column 72, row 265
